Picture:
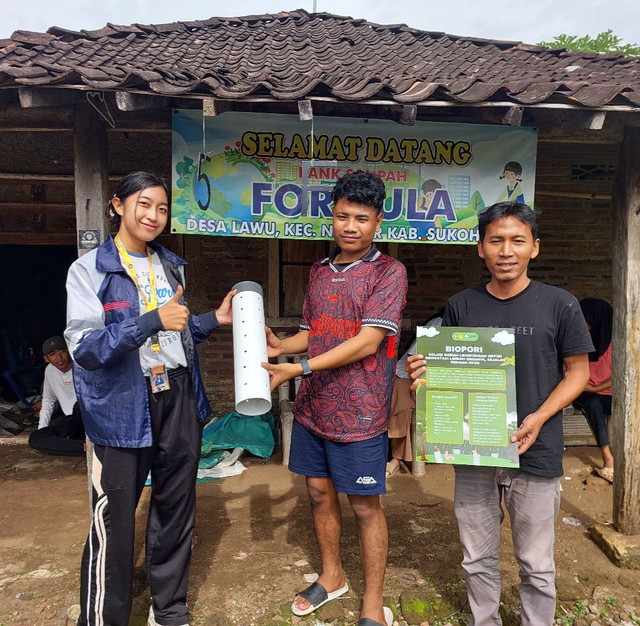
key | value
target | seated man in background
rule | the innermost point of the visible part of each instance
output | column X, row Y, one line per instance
column 67, row 436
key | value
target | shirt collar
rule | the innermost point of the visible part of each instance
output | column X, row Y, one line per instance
column 372, row 255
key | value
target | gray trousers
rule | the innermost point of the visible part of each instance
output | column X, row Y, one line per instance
column 532, row 502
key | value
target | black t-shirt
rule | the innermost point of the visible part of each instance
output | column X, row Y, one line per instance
column 549, row 326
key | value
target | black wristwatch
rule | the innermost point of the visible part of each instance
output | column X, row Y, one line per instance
column 306, row 370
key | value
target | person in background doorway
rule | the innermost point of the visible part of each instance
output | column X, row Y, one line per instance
column 57, row 390
column 595, row 400
column 66, row 436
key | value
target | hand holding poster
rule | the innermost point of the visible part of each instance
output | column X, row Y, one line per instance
column 466, row 401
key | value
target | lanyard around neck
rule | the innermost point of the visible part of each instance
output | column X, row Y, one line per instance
column 150, row 303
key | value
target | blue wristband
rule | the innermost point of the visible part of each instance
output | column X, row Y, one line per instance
column 306, row 370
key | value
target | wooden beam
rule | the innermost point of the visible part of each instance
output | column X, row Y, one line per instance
column 126, row 101
column 20, row 176
column 212, row 107
column 595, row 121
column 91, row 179
column 510, row 116
column 92, row 194
column 45, row 177
column 571, row 120
column 38, row 239
column 38, row 97
column 573, row 194
column 305, row 110
column 209, row 107
column 625, row 419
column 408, row 115
column 273, row 298
column 36, row 206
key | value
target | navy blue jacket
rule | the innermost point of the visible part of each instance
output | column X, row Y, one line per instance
column 104, row 332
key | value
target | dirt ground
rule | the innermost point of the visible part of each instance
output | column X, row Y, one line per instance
column 255, row 542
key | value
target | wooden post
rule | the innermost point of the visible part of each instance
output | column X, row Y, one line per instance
column 91, row 178
column 625, row 420
column 273, row 297
column 91, row 195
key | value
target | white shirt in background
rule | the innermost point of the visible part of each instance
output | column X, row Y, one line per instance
column 57, row 390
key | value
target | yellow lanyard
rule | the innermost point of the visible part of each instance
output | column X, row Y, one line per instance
column 152, row 303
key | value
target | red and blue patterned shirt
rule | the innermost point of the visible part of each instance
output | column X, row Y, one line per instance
column 351, row 403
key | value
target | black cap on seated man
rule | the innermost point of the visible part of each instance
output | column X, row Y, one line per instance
column 53, row 343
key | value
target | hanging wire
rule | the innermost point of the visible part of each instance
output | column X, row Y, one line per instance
column 106, row 115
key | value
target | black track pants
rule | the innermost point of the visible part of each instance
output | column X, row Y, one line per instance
column 118, row 479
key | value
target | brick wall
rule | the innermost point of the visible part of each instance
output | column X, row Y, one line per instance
column 215, row 264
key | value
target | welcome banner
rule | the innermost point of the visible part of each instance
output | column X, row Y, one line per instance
column 267, row 175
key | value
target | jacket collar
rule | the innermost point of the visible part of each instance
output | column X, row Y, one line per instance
column 108, row 259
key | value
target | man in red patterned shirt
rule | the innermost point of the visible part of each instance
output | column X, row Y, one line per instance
column 351, row 318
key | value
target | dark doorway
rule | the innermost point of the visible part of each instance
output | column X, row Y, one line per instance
column 33, row 302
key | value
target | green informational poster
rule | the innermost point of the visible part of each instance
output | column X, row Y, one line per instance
column 466, row 400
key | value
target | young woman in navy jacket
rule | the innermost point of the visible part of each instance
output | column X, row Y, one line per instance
column 137, row 379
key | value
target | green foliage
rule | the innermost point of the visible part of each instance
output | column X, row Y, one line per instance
column 605, row 42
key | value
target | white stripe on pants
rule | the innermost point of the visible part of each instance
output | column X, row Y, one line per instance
column 532, row 502
column 118, row 478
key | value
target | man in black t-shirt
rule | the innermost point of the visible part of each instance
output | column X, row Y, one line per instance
column 552, row 368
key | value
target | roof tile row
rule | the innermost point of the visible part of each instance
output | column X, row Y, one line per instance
column 291, row 55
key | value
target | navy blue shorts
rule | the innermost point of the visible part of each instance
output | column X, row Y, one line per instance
column 355, row 468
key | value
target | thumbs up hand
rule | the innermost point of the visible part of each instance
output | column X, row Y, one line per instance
column 173, row 315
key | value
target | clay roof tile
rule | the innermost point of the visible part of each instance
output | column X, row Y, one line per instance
column 294, row 54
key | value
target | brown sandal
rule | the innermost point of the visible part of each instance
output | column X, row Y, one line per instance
column 391, row 469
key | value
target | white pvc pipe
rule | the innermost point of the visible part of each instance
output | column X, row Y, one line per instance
column 251, row 380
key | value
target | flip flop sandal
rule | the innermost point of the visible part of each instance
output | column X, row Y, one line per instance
column 606, row 473
column 316, row 595
column 390, row 472
column 388, row 618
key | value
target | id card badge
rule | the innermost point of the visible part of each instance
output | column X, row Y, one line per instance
column 159, row 378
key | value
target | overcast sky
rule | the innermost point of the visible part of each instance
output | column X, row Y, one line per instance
column 515, row 20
